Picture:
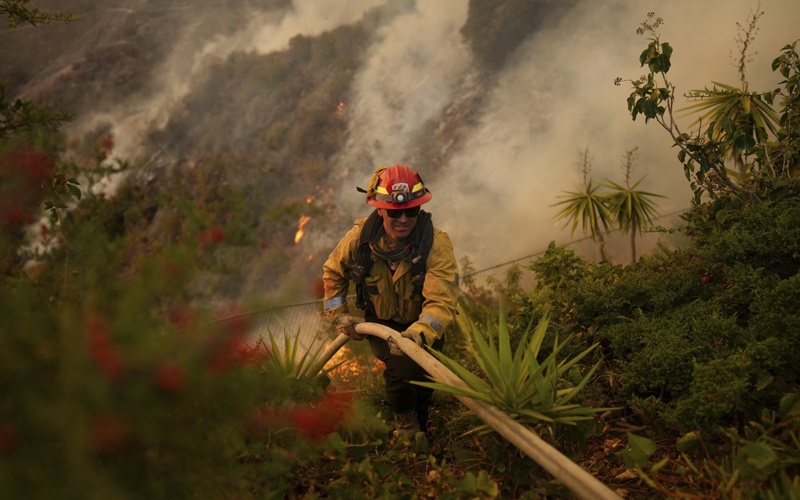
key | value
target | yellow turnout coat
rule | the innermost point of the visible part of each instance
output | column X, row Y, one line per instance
column 430, row 314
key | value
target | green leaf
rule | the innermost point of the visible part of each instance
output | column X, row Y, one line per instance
column 641, row 444
column 659, row 465
column 789, row 406
column 633, row 459
column 758, row 456
column 485, row 484
column 688, row 442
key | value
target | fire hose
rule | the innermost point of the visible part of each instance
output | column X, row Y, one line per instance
column 583, row 484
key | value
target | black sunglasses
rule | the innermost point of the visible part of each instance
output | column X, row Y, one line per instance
column 394, row 213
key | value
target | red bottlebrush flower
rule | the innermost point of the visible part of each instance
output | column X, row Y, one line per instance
column 97, row 329
column 35, row 166
column 8, row 439
column 211, row 236
column 226, row 354
column 313, row 423
column 24, row 172
column 108, row 434
column 101, row 350
column 12, row 217
column 234, row 346
column 317, row 422
column 107, row 143
column 170, row 377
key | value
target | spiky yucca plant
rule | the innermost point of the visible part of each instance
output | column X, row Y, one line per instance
column 532, row 392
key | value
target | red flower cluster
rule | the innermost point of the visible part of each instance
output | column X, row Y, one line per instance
column 169, row 377
column 101, row 350
column 24, row 172
column 107, row 144
column 316, row 422
column 44, row 233
column 313, row 421
column 211, row 236
column 232, row 348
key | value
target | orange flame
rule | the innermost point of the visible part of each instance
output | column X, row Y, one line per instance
column 301, row 224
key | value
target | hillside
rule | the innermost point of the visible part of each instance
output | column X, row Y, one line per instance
column 287, row 106
column 270, row 123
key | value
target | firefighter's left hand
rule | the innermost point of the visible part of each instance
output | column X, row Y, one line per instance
column 415, row 336
column 395, row 350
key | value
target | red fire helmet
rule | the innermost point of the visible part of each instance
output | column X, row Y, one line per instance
column 398, row 187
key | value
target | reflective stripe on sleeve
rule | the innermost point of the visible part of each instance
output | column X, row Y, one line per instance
column 333, row 303
column 431, row 320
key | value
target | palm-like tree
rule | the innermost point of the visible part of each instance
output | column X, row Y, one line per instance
column 736, row 118
column 631, row 209
column 587, row 208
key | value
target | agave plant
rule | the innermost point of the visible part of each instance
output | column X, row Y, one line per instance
column 530, row 391
column 293, row 365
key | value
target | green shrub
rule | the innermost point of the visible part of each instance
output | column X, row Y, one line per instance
column 718, row 390
column 776, row 315
column 763, row 235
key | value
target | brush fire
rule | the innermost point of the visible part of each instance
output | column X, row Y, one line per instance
column 301, row 228
column 350, row 367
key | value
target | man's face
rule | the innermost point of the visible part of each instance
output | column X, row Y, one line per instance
column 398, row 229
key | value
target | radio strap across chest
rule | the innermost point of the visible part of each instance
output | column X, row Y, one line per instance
column 415, row 251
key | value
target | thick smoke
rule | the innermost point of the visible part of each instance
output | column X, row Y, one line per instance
column 409, row 76
column 195, row 49
column 555, row 99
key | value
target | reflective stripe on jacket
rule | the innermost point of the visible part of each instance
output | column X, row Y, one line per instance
column 430, row 314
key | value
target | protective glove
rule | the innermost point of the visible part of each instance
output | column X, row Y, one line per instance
column 395, row 350
column 346, row 324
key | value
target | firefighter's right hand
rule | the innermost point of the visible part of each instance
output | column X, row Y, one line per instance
column 346, row 324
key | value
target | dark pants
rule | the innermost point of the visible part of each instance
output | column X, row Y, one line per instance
column 401, row 395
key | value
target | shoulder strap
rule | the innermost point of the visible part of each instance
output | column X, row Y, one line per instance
column 421, row 250
column 421, row 247
column 369, row 231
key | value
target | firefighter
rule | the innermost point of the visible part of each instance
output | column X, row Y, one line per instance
column 406, row 278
